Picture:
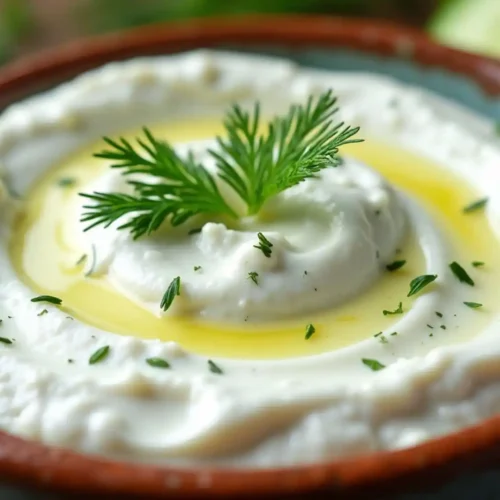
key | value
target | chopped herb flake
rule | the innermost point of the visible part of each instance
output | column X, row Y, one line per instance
column 399, row 310
column 393, row 334
column 264, row 245
column 66, row 181
column 383, row 339
column 378, row 334
column 5, row 340
column 47, row 298
column 99, row 355
column 254, row 277
column 476, row 205
column 477, row 263
column 173, row 290
column 420, row 282
column 196, row 230
column 473, row 305
column 157, row 363
column 197, row 268
column 438, row 314
column 81, row 260
column 310, row 330
column 461, row 273
column 214, row 368
column 430, row 326
column 443, row 327
column 42, row 313
column 373, row 364
column 394, row 266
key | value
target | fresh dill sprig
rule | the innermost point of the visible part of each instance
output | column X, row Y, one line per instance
column 256, row 165
column 179, row 188
column 295, row 147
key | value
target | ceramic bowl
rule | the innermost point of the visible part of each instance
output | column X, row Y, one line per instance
column 325, row 42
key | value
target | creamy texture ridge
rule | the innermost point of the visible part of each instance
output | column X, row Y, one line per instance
column 401, row 378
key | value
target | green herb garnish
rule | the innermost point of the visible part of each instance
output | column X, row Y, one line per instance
column 254, row 277
column 47, row 298
column 99, row 355
column 393, row 334
column 257, row 165
column 443, row 327
column 394, row 266
column 439, row 314
column 197, row 268
column 157, row 363
column 66, row 182
column 420, row 282
column 214, row 368
column 43, row 312
column 373, row 364
column 473, row 305
column 477, row 263
column 310, row 330
column 461, row 273
column 196, row 230
column 476, row 205
column 399, row 310
column 5, row 340
column 81, row 260
column 264, row 245
column 173, row 290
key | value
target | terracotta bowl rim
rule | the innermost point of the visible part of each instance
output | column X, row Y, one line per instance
column 54, row 468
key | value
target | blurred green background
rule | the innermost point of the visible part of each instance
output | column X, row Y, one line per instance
column 29, row 25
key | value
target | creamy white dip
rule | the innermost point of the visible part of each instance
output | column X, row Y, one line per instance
column 329, row 234
column 332, row 237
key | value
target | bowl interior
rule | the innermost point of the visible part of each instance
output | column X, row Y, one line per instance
column 462, row 89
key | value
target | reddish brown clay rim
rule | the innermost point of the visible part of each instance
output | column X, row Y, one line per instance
column 39, row 465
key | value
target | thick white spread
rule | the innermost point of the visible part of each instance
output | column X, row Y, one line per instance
column 329, row 234
column 332, row 239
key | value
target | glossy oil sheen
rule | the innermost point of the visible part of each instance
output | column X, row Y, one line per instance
column 46, row 261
